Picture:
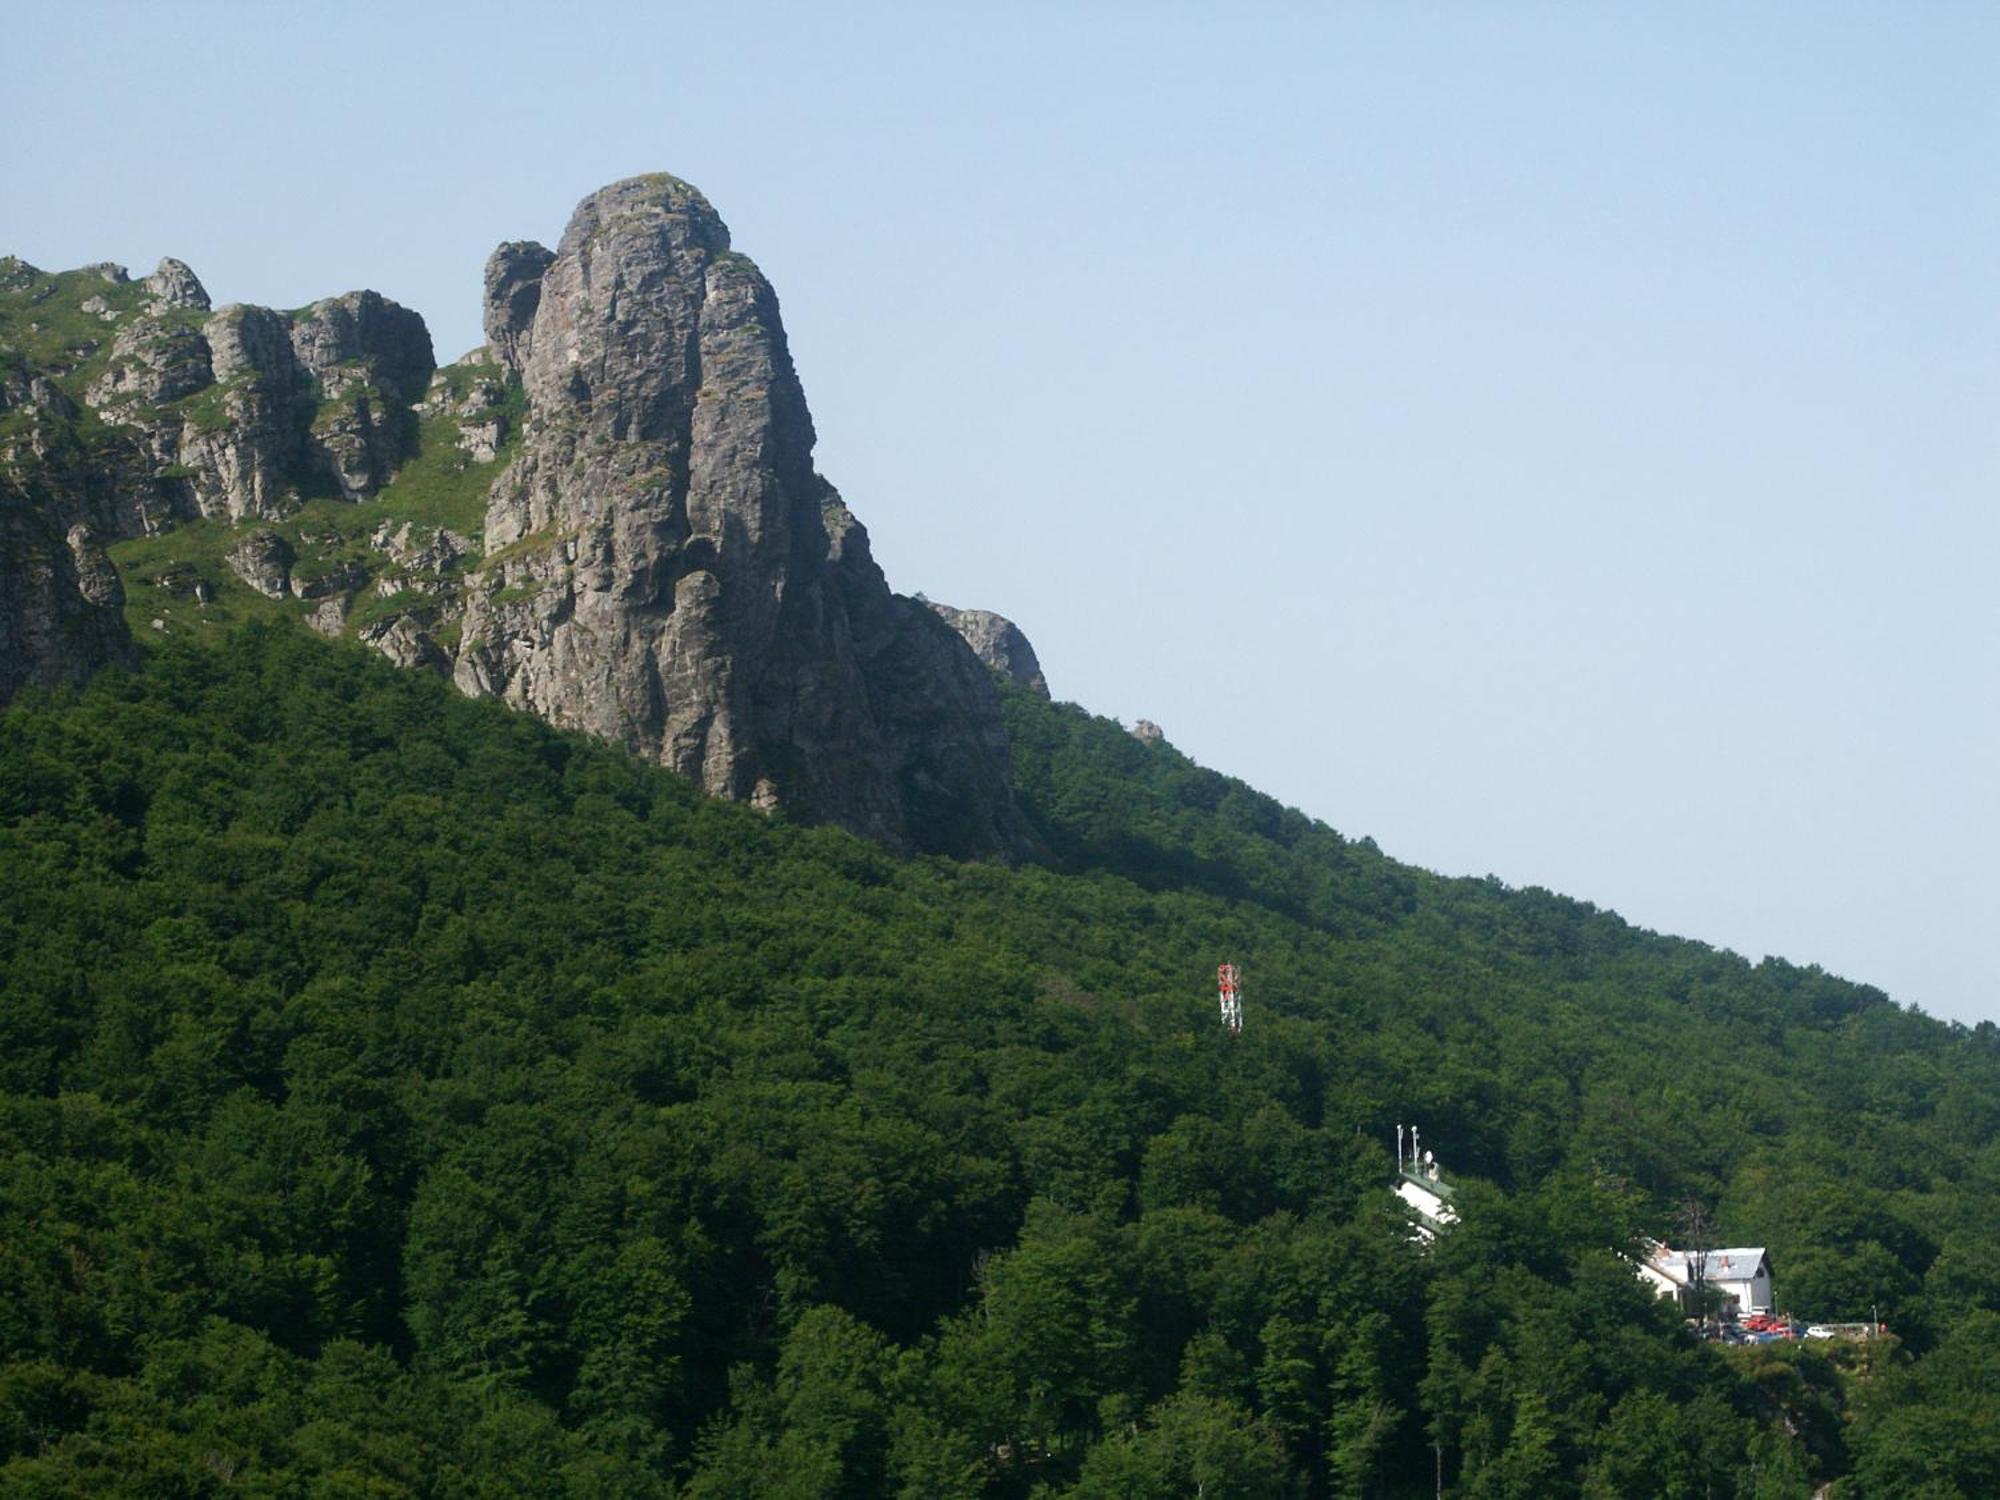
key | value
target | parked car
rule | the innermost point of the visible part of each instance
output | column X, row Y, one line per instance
column 1820, row 1331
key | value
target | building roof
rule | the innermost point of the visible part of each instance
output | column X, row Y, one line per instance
column 1436, row 1186
column 1733, row 1264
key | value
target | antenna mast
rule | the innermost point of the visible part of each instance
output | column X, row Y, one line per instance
column 1229, row 981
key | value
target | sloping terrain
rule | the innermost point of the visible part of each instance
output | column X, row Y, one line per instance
column 399, row 1096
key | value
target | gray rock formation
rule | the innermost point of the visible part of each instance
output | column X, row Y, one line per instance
column 363, row 333
column 96, row 579
column 406, row 642
column 677, row 578
column 513, row 293
column 174, row 285
column 263, row 560
column 366, row 360
column 1146, row 732
column 329, row 616
column 343, row 577
column 251, row 408
column 246, row 450
column 998, row 642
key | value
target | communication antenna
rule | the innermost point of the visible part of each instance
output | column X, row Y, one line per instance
column 1229, row 982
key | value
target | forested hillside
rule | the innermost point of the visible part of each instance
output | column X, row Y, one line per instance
column 400, row 1097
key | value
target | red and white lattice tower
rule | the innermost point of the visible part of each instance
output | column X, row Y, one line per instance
column 1229, row 981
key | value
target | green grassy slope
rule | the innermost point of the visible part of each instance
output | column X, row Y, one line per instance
column 399, row 1097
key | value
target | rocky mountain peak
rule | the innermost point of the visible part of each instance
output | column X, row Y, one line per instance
column 677, row 577
column 616, row 336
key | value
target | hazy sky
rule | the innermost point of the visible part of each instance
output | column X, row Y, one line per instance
column 1559, row 441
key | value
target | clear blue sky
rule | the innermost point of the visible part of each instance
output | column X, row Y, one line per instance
column 1559, row 441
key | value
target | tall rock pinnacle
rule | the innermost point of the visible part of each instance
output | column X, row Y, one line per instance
column 668, row 570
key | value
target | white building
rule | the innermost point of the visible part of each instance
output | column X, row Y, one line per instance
column 1741, row 1275
column 1430, row 1195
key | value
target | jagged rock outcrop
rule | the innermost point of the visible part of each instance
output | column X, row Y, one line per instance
column 998, row 642
column 673, row 574
column 364, row 334
column 513, row 293
column 328, row 390
column 245, row 410
column 1146, row 732
column 174, row 285
column 96, row 580
column 366, row 360
column 406, row 640
column 659, row 563
column 244, row 450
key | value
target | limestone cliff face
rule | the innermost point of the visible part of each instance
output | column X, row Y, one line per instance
column 667, row 570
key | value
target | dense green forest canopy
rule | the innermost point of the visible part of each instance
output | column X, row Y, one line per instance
column 400, row 1097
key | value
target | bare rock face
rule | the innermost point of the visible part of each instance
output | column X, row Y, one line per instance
column 246, row 448
column 673, row 575
column 513, row 293
column 364, row 333
column 408, row 644
column 174, row 285
column 660, row 565
column 998, row 642
column 368, row 360
column 96, row 579
column 263, row 560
